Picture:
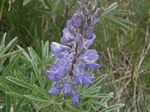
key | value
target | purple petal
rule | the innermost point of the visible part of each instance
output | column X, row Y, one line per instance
column 54, row 90
column 70, row 27
column 89, row 33
column 93, row 65
column 74, row 98
column 94, row 21
column 68, row 37
column 79, row 68
column 76, row 21
column 50, row 75
column 58, row 49
column 80, row 43
column 90, row 56
column 59, row 75
column 56, row 75
column 88, row 79
column 67, row 88
column 89, row 42
column 79, row 79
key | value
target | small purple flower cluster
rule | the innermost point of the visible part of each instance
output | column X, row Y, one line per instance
column 72, row 54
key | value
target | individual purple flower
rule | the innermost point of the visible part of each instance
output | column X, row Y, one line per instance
column 90, row 57
column 59, row 50
column 54, row 91
column 74, row 97
column 67, row 88
column 88, row 79
column 73, row 55
column 68, row 37
column 77, row 22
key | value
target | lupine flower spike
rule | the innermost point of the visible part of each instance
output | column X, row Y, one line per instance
column 73, row 54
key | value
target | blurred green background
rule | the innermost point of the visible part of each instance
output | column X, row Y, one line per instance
column 123, row 41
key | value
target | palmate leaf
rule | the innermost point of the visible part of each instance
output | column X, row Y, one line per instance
column 39, row 62
column 33, row 58
column 30, row 89
column 26, row 85
column 3, row 56
column 20, row 82
column 6, row 50
column 10, row 45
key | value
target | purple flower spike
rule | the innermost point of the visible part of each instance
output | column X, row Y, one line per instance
column 73, row 56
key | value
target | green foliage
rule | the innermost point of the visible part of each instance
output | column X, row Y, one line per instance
column 122, row 40
column 33, row 20
column 33, row 87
